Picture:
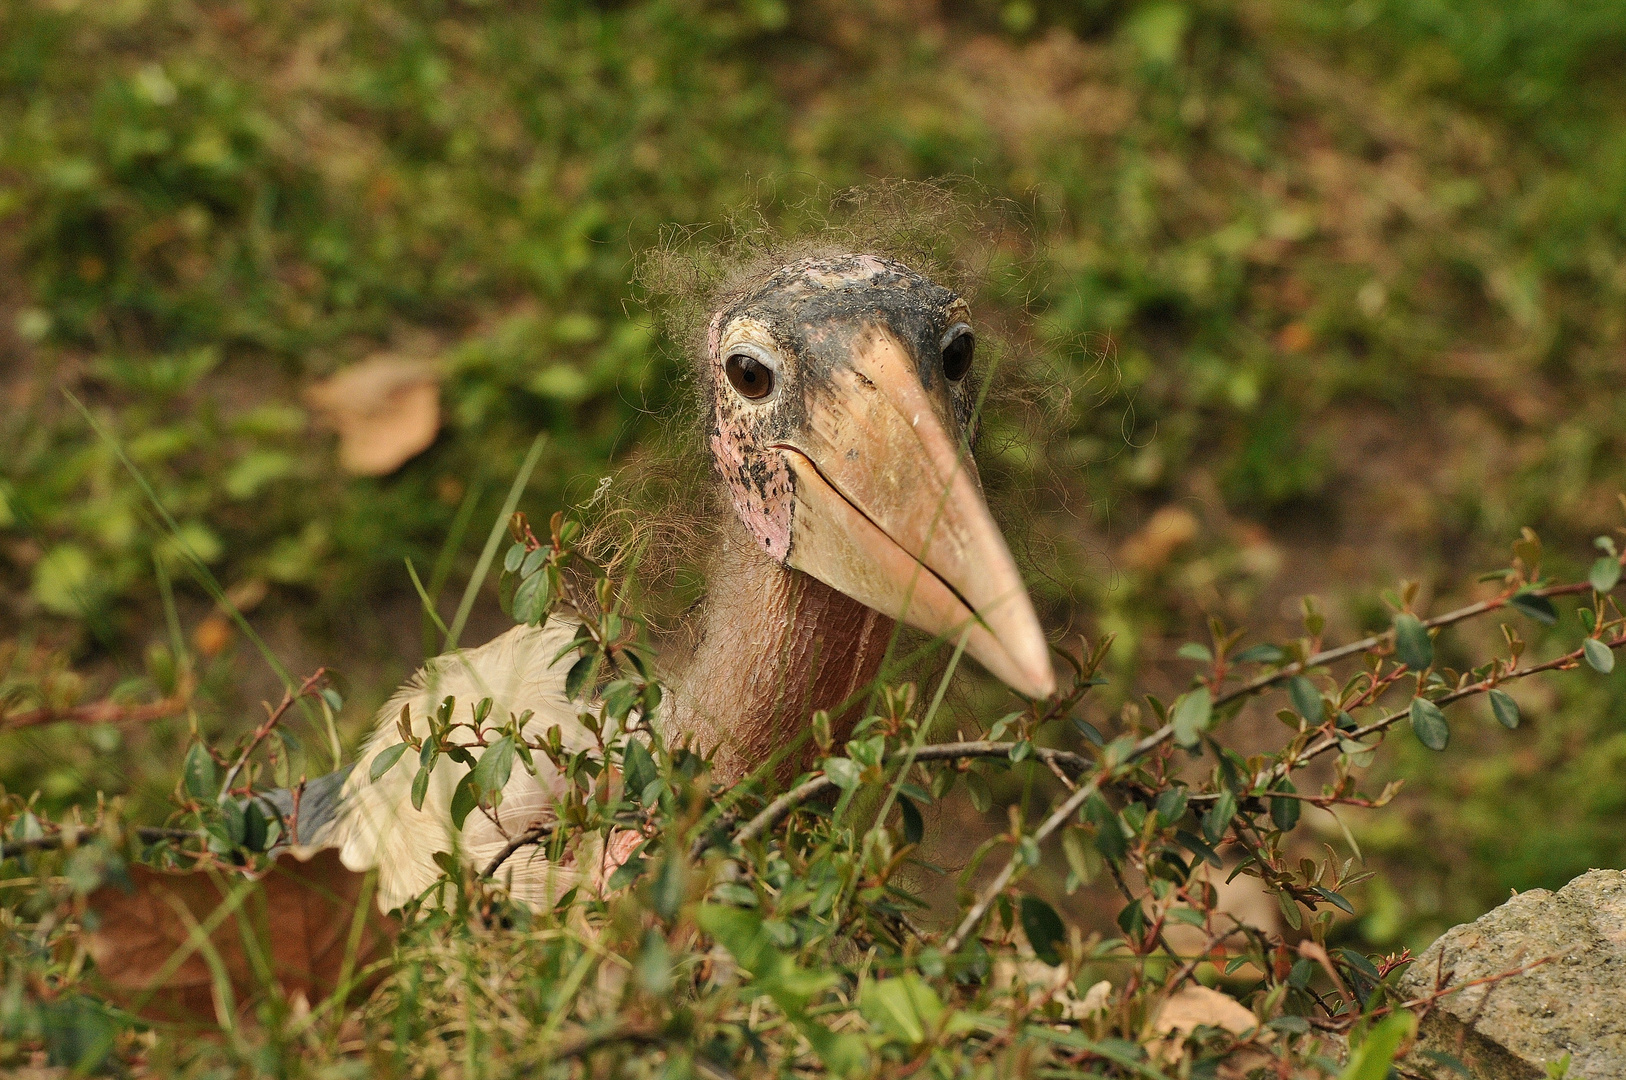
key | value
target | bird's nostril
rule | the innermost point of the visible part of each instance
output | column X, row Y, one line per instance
column 957, row 355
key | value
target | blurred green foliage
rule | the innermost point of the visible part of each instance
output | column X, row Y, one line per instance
column 1347, row 279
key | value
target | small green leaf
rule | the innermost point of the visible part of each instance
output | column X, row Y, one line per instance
column 1218, row 818
column 1290, row 1025
column 420, row 787
column 1291, row 913
column 670, row 887
column 1412, row 645
column 1089, row 731
column 1599, row 655
column 1195, row 650
column 231, row 813
column 199, row 774
column 982, row 798
column 1429, row 723
column 627, row 873
column 1505, row 709
column 577, row 677
column 1371, row 1060
column 1259, row 654
column 1605, row 574
column 1078, row 856
column 532, row 561
column 531, row 599
column 386, row 760
column 1306, row 698
column 843, row 772
column 620, row 697
column 465, row 797
column 905, row 1008
column 496, row 764
column 1285, row 812
column 513, row 557
column 1192, row 713
column 255, row 827
column 638, row 769
column 996, row 730
column 654, row 967
column 1195, row 844
column 1336, row 899
column 1044, row 929
column 1538, row 608
column 1109, row 834
column 1132, row 919
column 1171, row 805
column 1360, row 963
column 914, row 826
column 1028, row 849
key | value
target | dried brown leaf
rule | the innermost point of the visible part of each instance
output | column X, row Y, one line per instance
column 1165, row 532
column 386, row 410
column 290, row 929
column 1197, row 1005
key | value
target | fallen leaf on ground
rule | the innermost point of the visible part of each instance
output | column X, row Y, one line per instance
column 386, row 410
column 290, row 929
column 1195, row 1006
column 212, row 635
column 1095, row 999
column 1165, row 532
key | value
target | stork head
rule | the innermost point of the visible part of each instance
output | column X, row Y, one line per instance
column 841, row 424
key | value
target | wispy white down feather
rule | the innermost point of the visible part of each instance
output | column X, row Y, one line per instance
column 377, row 825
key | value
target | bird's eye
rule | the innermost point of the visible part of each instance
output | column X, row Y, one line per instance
column 750, row 376
column 957, row 352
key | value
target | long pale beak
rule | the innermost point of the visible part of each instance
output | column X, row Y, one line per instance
column 889, row 511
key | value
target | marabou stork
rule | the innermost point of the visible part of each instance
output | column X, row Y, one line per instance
column 840, row 412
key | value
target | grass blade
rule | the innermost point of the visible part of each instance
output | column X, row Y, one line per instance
column 472, row 590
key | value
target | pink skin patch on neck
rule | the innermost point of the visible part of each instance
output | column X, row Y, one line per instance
column 760, row 490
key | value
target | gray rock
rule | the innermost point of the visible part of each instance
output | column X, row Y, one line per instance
column 1575, row 1005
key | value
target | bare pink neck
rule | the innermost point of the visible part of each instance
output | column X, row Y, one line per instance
column 775, row 646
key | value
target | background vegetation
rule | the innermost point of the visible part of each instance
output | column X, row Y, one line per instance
column 1344, row 285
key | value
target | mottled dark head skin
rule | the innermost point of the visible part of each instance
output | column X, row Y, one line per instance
column 803, row 320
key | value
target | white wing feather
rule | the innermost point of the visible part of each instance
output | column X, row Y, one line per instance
column 377, row 825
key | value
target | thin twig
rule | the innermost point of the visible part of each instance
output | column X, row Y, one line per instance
column 529, row 836
column 97, row 712
column 1332, row 742
column 1429, row 999
column 1190, row 966
column 770, row 815
column 273, row 716
column 995, row 887
column 1329, row 656
column 74, row 836
column 1568, row 660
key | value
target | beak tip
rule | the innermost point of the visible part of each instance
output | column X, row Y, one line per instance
column 1020, row 658
column 1041, row 682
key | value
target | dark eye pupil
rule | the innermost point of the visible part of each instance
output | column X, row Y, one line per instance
column 957, row 356
column 751, row 377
